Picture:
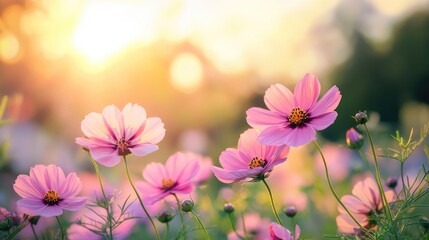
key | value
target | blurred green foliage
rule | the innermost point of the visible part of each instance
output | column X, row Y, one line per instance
column 381, row 77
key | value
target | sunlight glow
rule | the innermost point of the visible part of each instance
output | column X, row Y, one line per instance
column 107, row 27
column 186, row 72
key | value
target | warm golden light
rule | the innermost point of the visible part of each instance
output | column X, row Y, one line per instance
column 107, row 27
column 186, row 72
column 9, row 48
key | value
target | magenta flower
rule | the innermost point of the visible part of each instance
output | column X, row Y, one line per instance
column 205, row 166
column 251, row 161
column 278, row 232
column 292, row 119
column 366, row 200
column 113, row 134
column 354, row 139
column 175, row 177
column 47, row 191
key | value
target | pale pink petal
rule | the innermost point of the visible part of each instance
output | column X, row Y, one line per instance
column 143, row 149
column 180, row 169
column 73, row 204
column 280, row 99
column 134, row 120
column 307, row 91
column 38, row 177
column 354, row 204
column 297, row 232
column 31, row 206
column 114, row 121
column 276, row 158
column 93, row 127
column 345, row 226
column 89, row 143
column 54, row 176
column 108, row 157
column 154, row 173
column 24, row 188
column 70, row 187
column 327, row 103
column 278, row 232
column 150, row 194
column 367, row 192
column 230, row 159
column 183, row 189
column 287, row 136
column 274, row 135
column 51, row 211
column 153, row 132
column 323, row 121
column 249, row 145
column 78, row 232
column 261, row 118
column 229, row 176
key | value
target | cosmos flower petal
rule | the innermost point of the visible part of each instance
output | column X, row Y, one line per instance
column 134, row 118
column 93, row 126
column 153, row 133
column 31, row 206
column 229, row 176
column 230, row 159
column 70, row 187
column 328, row 103
column 306, row 91
column 24, row 187
column 149, row 193
column 180, row 169
column 353, row 204
column 261, row 118
column 153, row 173
column 38, row 178
column 114, row 121
column 106, row 156
column 280, row 99
column 143, row 149
column 278, row 232
column 323, row 121
column 73, row 204
column 287, row 136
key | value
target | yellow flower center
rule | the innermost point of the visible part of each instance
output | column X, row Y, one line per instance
column 167, row 184
column 297, row 116
column 257, row 162
column 51, row 198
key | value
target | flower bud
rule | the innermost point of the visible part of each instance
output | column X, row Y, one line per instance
column 165, row 217
column 361, row 117
column 392, row 182
column 354, row 139
column 34, row 220
column 187, row 205
column 290, row 211
column 228, row 208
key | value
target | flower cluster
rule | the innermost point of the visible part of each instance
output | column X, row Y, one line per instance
column 166, row 190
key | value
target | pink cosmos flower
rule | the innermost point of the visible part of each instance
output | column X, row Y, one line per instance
column 365, row 201
column 205, row 166
column 113, row 134
column 175, row 177
column 292, row 119
column 278, row 232
column 47, row 191
column 251, row 161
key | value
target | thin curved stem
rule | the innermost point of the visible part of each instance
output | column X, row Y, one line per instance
column 332, row 189
column 272, row 203
column 167, row 230
column 404, row 187
column 201, row 224
column 34, row 232
column 140, row 200
column 233, row 226
column 366, row 161
column 61, row 227
column 378, row 177
column 182, row 229
column 106, row 204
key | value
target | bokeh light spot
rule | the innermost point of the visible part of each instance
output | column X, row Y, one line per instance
column 186, row 72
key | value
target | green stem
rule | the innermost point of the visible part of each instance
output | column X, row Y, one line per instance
column 332, row 189
column 272, row 203
column 368, row 166
column 377, row 171
column 34, row 232
column 183, row 229
column 201, row 224
column 233, row 226
column 244, row 225
column 404, row 187
column 61, row 227
column 140, row 200
column 167, row 230
column 18, row 229
column 106, row 204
